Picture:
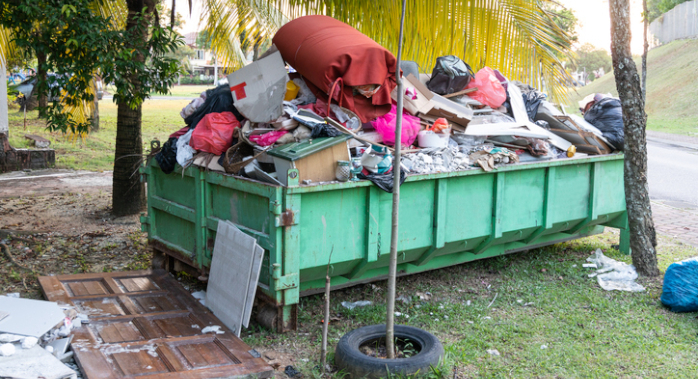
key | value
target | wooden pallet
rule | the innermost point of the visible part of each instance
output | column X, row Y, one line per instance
column 144, row 324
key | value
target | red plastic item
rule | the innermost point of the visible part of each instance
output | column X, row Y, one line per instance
column 214, row 133
column 439, row 125
column 267, row 139
column 489, row 90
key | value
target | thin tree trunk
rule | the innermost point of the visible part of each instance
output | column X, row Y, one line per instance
column 128, row 193
column 41, row 78
column 642, row 234
column 95, row 113
column 644, row 51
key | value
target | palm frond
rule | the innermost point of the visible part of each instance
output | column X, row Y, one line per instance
column 6, row 46
column 517, row 37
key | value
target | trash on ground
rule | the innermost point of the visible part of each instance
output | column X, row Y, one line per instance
column 614, row 275
column 291, row 372
column 360, row 303
column 494, row 352
column 35, row 362
column 680, row 290
column 29, row 317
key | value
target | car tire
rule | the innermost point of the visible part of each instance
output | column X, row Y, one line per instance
column 351, row 361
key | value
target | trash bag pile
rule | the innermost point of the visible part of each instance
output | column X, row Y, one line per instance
column 320, row 106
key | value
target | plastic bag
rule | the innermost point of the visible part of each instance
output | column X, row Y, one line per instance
column 680, row 292
column 489, row 90
column 268, row 139
column 607, row 116
column 214, row 133
column 185, row 153
column 385, row 126
column 450, row 75
column 167, row 156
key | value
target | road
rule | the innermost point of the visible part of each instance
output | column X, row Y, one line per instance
column 673, row 173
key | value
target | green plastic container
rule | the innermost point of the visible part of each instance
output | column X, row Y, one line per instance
column 445, row 219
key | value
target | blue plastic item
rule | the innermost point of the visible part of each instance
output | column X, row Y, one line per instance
column 680, row 291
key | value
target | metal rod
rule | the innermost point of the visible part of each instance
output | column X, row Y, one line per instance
column 392, row 273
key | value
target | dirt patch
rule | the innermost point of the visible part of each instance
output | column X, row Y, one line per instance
column 65, row 233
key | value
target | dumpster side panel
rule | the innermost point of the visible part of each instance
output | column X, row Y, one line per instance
column 468, row 207
column 570, row 193
column 522, row 201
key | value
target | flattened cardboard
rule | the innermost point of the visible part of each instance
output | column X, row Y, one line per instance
column 259, row 88
column 431, row 104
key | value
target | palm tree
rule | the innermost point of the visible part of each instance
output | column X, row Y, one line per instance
column 518, row 37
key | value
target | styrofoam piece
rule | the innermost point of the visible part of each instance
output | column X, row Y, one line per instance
column 427, row 138
column 29, row 317
column 502, row 129
column 231, row 270
column 34, row 363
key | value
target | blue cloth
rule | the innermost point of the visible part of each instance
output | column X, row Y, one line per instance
column 680, row 292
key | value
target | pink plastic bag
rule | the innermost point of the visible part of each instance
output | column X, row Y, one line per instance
column 385, row 126
column 214, row 133
column 267, row 139
column 489, row 90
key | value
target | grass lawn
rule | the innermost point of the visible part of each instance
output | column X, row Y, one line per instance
column 187, row 90
column 571, row 328
column 160, row 119
column 672, row 88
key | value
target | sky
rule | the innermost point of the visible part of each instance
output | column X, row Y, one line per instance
column 593, row 15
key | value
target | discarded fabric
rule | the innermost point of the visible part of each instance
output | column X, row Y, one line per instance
column 214, row 133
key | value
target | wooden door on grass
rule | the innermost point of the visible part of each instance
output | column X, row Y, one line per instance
column 144, row 324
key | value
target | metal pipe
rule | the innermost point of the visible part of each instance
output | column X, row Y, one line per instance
column 392, row 273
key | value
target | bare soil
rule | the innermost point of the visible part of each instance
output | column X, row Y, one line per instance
column 61, row 224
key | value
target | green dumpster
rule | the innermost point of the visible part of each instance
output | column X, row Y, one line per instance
column 445, row 219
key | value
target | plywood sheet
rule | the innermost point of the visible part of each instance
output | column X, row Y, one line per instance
column 143, row 323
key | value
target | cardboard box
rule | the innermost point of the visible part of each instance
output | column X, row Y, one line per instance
column 433, row 105
column 259, row 88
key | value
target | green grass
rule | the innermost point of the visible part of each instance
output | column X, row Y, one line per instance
column 160, row 119
column 589, row 333
column 672, row 88
column 192, row 90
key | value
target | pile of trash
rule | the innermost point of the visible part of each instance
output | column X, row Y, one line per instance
column 319, row 107
column 35, row 337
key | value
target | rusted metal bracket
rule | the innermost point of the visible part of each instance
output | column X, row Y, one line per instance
column 286, row 218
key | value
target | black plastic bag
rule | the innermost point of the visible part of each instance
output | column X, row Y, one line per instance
column 324, row 130
column 167, row 156
column 218, row 99
column 450, row 75
column 383, row 181
column 532, row 100
column 607, row 116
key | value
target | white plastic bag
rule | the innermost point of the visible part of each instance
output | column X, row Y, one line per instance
column 185, row 153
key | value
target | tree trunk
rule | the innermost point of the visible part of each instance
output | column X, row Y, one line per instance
column 644, row 51
column 95, row 113
column 128, row 193
column 642, row 234
column 41, row 76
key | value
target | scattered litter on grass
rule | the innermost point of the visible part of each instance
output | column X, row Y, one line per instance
column 589, row 265
column 426, row 296
column 494, row 352
column 487, row 318
column 404, row 299
column 467, row 303
column 543, row 347
column 360, row 303
column 470, row 322
column 291, row 372
column 593, row 274
column 614, row 275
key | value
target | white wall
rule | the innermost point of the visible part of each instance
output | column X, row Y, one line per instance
column 680, row 22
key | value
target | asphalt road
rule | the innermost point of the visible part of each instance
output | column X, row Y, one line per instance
column 673, row 173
